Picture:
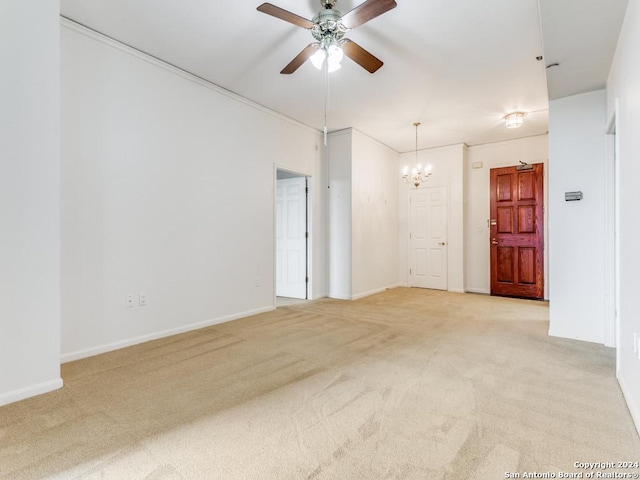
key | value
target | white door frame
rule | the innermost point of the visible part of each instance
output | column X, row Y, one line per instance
column 308, row 216
column 612, row 249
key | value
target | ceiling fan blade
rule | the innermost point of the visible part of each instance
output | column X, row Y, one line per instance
column 366, row 11
column 285, row 15
column 302, row 57
column 359, row 55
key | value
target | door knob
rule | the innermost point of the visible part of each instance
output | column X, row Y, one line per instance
column 494, row 241
column 442, row 243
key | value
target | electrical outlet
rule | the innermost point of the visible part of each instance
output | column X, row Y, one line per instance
column 142, row 299
column 257, row 282
column 130, row 301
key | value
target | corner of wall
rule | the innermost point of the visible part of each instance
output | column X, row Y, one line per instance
column 30, row 200
column 634, row 407
column 30, row 391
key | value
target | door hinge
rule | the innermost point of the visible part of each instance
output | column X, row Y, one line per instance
column 306, row 189
column 409, row 235
column 306, row 234
column 409, row 271
column 306, row 279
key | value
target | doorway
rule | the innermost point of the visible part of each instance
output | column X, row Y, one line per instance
column 428, row 231
column 516, row 231
column 292, row 235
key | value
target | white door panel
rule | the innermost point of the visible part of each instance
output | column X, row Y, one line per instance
column 428, row 238
column 436, row 262
column 291, row 244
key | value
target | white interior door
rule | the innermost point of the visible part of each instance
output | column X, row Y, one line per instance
column 428, row 238
column 291, row 243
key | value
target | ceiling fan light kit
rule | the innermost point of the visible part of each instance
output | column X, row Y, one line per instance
column 514, row 119
column 317, row 59
column 332, row 53
column 328, row 28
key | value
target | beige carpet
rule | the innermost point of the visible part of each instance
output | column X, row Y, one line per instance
column 407, row 384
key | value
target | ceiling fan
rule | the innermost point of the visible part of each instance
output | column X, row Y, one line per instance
column 328, row 28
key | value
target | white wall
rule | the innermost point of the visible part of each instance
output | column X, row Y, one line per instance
column 447, row 170
column 340, row 260
column 477, row 202
column 363, row 215
column 168, row 189
column 624, row 85
column 29, row 199
column 576, row 233
column 374, row 216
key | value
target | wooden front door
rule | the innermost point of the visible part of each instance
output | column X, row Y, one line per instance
column 517, row 242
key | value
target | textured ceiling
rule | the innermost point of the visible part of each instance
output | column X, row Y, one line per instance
column 457, row 67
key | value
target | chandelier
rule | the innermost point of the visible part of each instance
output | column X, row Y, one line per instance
column 417, row 174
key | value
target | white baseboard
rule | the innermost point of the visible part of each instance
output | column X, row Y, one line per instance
column 340, row 297
column 634, row 408
column 455, row 290
column 478, row 290
column 30, row 391
column 319, row 295
column 372, row 292
column 90, row 352
column 556, row 333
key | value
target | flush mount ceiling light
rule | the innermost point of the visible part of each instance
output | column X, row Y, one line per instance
column 514, row 119
column 417, row 175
